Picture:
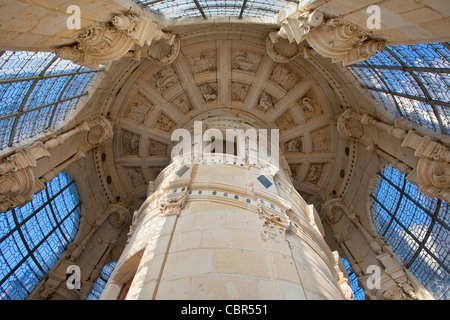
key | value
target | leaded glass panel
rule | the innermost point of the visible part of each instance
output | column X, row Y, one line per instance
column 37, row 91
column 32, row 237
column 417, row 80
column 101, row 281
column 358, row 292
column 176, row 9
column 416, row 227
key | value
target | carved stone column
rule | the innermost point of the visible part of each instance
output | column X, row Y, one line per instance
column 116, row 213
column 429, row 163
column 225, row 227
column 19, row 177
column 17, row 180
column 393, row 284
column 432, row 173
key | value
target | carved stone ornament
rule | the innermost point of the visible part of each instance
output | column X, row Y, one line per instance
column 397, row 285
column 170, row 206
column 285, row 121
column 239, row 91
column 314, row 172
column 331, row 38
column 294, row 145
column 183, row 104
column 139, row 109
column 136, row 177
column 164, row 123
column 283, row 51
column 24, row 158
column 100, row 131
column 434, row 178
column 165, row 79
column 343, row 42
column 126, row 34
column 349, row 125
column 265, row 102
column 333, row 210
column 16, row 187
column 209, row 91
column 207, row 61
column 246, row 61
column 17, row 180
column 284, row 77
column 274, row 224
column 130, row 143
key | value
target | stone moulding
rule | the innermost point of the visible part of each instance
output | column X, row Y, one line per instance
column 125, row 35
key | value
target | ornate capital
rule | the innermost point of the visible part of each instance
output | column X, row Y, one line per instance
column 397, row 285
column 16, row 187
column 126, row 34
column 24, row 158
column 331, row 38
column 17, row 180
column 434, row 178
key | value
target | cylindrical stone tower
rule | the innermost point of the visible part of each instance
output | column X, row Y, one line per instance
column 226, row 227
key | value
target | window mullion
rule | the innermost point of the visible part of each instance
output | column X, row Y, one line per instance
column 54, row 214
column 425, row 239
column 25, row 242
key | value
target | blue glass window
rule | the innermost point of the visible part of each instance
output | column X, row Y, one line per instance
column 101, row 281
column 412, row 81
column 358, row 292
column 32, row 237
column 37, row 91
column 417, row 228
column 176, row 9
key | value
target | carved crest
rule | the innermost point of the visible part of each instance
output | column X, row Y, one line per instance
column 265, row 102
column 209, row 91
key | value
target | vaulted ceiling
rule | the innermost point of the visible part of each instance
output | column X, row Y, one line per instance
column 225, row 67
